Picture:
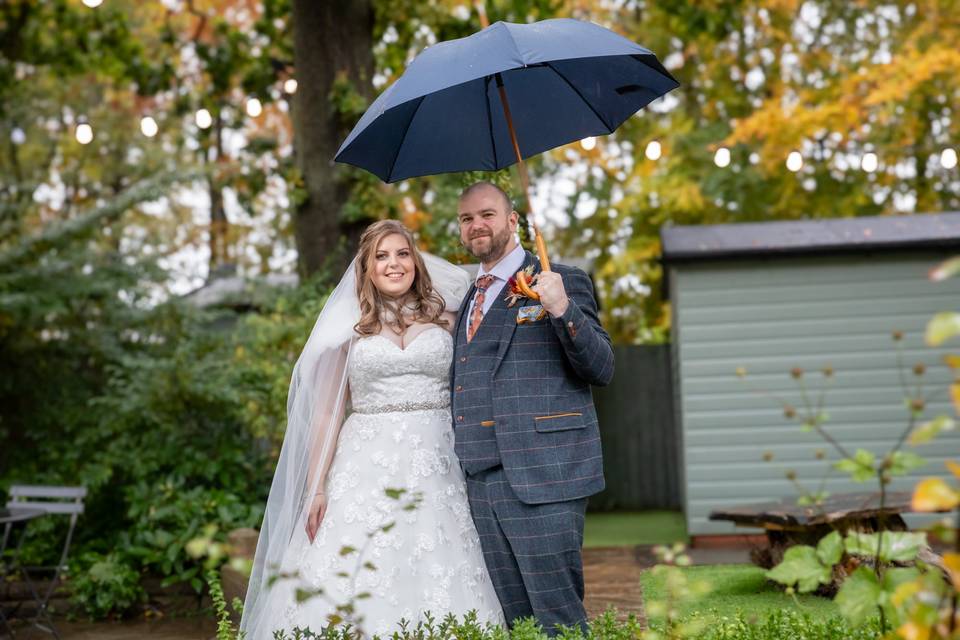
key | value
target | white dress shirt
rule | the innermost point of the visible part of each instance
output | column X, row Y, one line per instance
column 502, row 271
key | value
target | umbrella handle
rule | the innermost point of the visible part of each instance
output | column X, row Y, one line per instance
column 541, row 249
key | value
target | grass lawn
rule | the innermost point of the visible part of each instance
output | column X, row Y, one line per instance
column 629, row 528
column 738, row 587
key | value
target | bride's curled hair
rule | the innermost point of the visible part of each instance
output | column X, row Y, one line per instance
column 420, row 304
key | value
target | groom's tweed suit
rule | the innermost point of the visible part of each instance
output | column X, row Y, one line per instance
column 527, row 438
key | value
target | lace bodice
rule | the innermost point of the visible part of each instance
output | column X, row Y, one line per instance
column 383, row 377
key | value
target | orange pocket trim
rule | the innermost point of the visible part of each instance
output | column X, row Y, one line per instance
column 559, row 415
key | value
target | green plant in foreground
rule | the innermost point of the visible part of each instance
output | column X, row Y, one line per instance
column 678, row 588
column 107, row 587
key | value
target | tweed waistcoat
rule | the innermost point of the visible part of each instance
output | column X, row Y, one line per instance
column 472, row 401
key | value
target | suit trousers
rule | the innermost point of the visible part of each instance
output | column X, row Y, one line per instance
column 532, row 551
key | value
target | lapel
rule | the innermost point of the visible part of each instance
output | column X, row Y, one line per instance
column 464, row 305
column 510, row 320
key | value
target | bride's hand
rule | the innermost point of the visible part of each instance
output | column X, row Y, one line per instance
column 318, row 509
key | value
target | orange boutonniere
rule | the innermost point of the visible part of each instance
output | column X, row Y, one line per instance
column 517, row 290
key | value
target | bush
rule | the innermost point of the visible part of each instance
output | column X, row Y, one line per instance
column 788, row 625
column 105, row 586
column 178, row 429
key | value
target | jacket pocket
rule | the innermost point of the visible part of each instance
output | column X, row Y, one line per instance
column 559, row 422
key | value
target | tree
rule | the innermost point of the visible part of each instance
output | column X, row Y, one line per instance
column 333, row 57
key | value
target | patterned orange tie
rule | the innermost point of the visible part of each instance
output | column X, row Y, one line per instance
column 483, row 282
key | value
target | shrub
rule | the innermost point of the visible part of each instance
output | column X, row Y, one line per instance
column 105, row 586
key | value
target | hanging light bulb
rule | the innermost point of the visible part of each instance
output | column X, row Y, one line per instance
column 204, row 119
column 290, row 86
column 588, row 144
column 794, row 161
column 93, row 4
column 722, row 157
column 84, row 133
column 148, row 126
column 254, row 108
column 948, row 158
column 869, row 162
column 17, row 136
column 653, row 150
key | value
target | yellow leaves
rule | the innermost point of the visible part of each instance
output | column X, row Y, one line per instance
column 913, row 631
column 929, row 430
column 952, row 562
column 905, row 592
column 954, row 468
column 909, row 70
column 945, row 269
column 942, row 327
column 933, row 494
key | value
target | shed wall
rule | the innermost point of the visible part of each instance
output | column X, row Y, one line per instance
column 771, row 315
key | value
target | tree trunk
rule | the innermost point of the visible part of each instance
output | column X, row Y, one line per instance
column 330, row 39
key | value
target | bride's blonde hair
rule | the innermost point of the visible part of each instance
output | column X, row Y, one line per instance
column 421, row 301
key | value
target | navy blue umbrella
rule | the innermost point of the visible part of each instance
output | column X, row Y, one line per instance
column 561, row 80
column 505, row 93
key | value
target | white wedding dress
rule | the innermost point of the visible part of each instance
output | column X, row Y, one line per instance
column 398, row 436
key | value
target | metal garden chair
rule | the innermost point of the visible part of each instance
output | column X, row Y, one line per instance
column 34, row 500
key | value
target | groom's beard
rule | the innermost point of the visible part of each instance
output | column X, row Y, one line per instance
column 496, row 248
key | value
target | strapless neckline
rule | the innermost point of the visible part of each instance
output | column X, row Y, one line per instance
column 412, row 342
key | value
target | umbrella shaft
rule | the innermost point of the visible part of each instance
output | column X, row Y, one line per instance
column 524, row 177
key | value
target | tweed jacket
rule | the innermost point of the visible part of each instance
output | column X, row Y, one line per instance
column 543, row 414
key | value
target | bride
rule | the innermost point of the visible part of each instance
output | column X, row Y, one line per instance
column 380, row 354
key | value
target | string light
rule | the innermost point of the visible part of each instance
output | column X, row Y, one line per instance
column 148, row 126
column 653, row 150
column 84, row 133
column 588, row 144
column 722, row 157
column 254, row 108
column 948, row 158
column 204, row 119
column 869, row 162
column 290, row 86
column 794, row 161
column 93, row 4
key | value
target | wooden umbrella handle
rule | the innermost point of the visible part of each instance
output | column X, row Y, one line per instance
column 541, row 249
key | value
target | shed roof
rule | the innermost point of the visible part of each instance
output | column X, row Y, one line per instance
column 798, row 237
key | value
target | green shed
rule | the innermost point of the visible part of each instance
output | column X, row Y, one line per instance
column 772, row 296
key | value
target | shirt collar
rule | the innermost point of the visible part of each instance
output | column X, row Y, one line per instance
column 508, row 265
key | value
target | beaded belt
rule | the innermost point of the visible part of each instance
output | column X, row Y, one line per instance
column 422, row 405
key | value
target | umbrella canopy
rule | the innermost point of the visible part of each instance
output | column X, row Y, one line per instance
column 564, row 80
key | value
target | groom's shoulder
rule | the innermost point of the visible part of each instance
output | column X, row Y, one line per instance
column 568, row 271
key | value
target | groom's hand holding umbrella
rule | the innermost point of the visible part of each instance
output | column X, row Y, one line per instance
column 553, row 296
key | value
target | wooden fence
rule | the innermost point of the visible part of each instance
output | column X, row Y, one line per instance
column 641, row 440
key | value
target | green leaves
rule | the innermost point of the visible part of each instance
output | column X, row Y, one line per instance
column 859, row 596
column 862, row 592
column 898, row 546
column 860, row 466
column 902, row 462
column 830, row 549
column 802, row 566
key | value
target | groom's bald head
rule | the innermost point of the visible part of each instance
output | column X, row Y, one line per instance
column 484, row 185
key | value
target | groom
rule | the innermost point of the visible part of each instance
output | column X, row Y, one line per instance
column 523, row 416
